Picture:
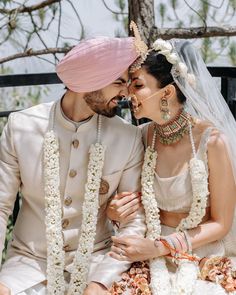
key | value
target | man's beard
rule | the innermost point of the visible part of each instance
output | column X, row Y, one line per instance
column 99, row 105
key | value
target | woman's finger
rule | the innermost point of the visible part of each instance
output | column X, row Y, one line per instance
column 129, row 206
column 129, row 217
column 128, row 198
column 130, row 211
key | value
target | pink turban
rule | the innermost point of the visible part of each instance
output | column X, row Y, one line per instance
column 96, row 63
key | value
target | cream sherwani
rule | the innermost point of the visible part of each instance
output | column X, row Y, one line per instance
column 21, row 166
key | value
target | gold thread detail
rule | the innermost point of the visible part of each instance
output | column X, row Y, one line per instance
column 140, row 47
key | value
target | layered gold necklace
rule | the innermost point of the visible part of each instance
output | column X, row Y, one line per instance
column 174, row 130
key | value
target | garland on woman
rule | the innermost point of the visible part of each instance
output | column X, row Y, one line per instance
column 187, row 272
column 56, row 284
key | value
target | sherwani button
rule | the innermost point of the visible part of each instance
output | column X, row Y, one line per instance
column 66, row 248
column 75, row 143
column 72, row 173
column 68, row 201
column 65, row 223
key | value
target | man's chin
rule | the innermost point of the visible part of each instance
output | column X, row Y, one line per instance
column 108, row 113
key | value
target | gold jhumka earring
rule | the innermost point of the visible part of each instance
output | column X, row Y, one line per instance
column 164, row 107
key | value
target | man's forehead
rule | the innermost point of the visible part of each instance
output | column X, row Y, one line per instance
column 125, row 76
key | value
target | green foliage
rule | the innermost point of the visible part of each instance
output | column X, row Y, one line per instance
column 232, row 53
column 232, row 3
column 121, row 4
column 208, row 53
column 42, row 16
column 204, row 10
column 122, row 17
column 8, row 237
column 162, row 11
column 174, row 3
column 187, row 14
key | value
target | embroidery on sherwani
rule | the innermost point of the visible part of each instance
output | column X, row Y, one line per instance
column 56, row 284
column 104, row 187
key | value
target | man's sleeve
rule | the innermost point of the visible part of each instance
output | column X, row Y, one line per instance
column 110, row 269
column 9, row 179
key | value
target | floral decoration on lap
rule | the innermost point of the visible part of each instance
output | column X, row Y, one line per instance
column 221, row 271
column 136, row 280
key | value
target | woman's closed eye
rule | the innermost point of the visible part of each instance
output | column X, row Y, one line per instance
column 138, row 86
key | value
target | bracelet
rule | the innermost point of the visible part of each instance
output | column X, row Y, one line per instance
column 177, row 254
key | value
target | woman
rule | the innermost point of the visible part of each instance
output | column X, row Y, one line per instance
column 188, row 176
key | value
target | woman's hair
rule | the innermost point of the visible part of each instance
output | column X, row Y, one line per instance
column 157, row 65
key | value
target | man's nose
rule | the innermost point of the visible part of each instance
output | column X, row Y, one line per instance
column 124, row 92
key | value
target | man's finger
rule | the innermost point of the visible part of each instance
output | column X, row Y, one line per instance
column 118, row 257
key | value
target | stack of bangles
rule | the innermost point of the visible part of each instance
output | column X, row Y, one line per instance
column 179, row 245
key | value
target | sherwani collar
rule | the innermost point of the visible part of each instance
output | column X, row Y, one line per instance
column 68, row 124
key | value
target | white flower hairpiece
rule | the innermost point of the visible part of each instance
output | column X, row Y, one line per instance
column 179, row 68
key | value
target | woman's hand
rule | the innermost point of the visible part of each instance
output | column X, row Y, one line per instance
column 124, row 206
column 135, row 248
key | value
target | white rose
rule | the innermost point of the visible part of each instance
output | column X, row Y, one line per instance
column 160, row 44
column 165, row 52
column 191, row 80
column 172, row 58
column 182, row 68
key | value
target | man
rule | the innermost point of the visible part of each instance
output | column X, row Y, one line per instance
column 44, row 152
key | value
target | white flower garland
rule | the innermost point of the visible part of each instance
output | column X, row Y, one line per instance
column 179, row 68
column 89, row 221
column 55, row 254
column 187, row 272
column 159, row 274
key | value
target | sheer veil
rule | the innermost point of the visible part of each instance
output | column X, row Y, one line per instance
column 204, row 99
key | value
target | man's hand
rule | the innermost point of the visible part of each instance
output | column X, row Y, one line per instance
column 135, row 248
column 124, row 206
column 4, row 290
column 95, row 288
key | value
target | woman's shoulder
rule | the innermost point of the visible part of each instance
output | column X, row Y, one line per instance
column 212, row 136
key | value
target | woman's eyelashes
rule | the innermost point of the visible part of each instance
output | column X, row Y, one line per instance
column 138, row 86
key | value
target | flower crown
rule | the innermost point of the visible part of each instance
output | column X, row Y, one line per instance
column 179, row 68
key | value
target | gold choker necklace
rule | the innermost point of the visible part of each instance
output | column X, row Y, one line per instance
column 175, row 129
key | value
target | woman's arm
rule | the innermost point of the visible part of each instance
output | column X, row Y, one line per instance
column 222, row 189
column 222, row 201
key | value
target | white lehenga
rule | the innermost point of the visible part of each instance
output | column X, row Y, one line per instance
column 174, row 194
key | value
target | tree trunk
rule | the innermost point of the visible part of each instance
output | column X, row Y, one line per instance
column 142, row 13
